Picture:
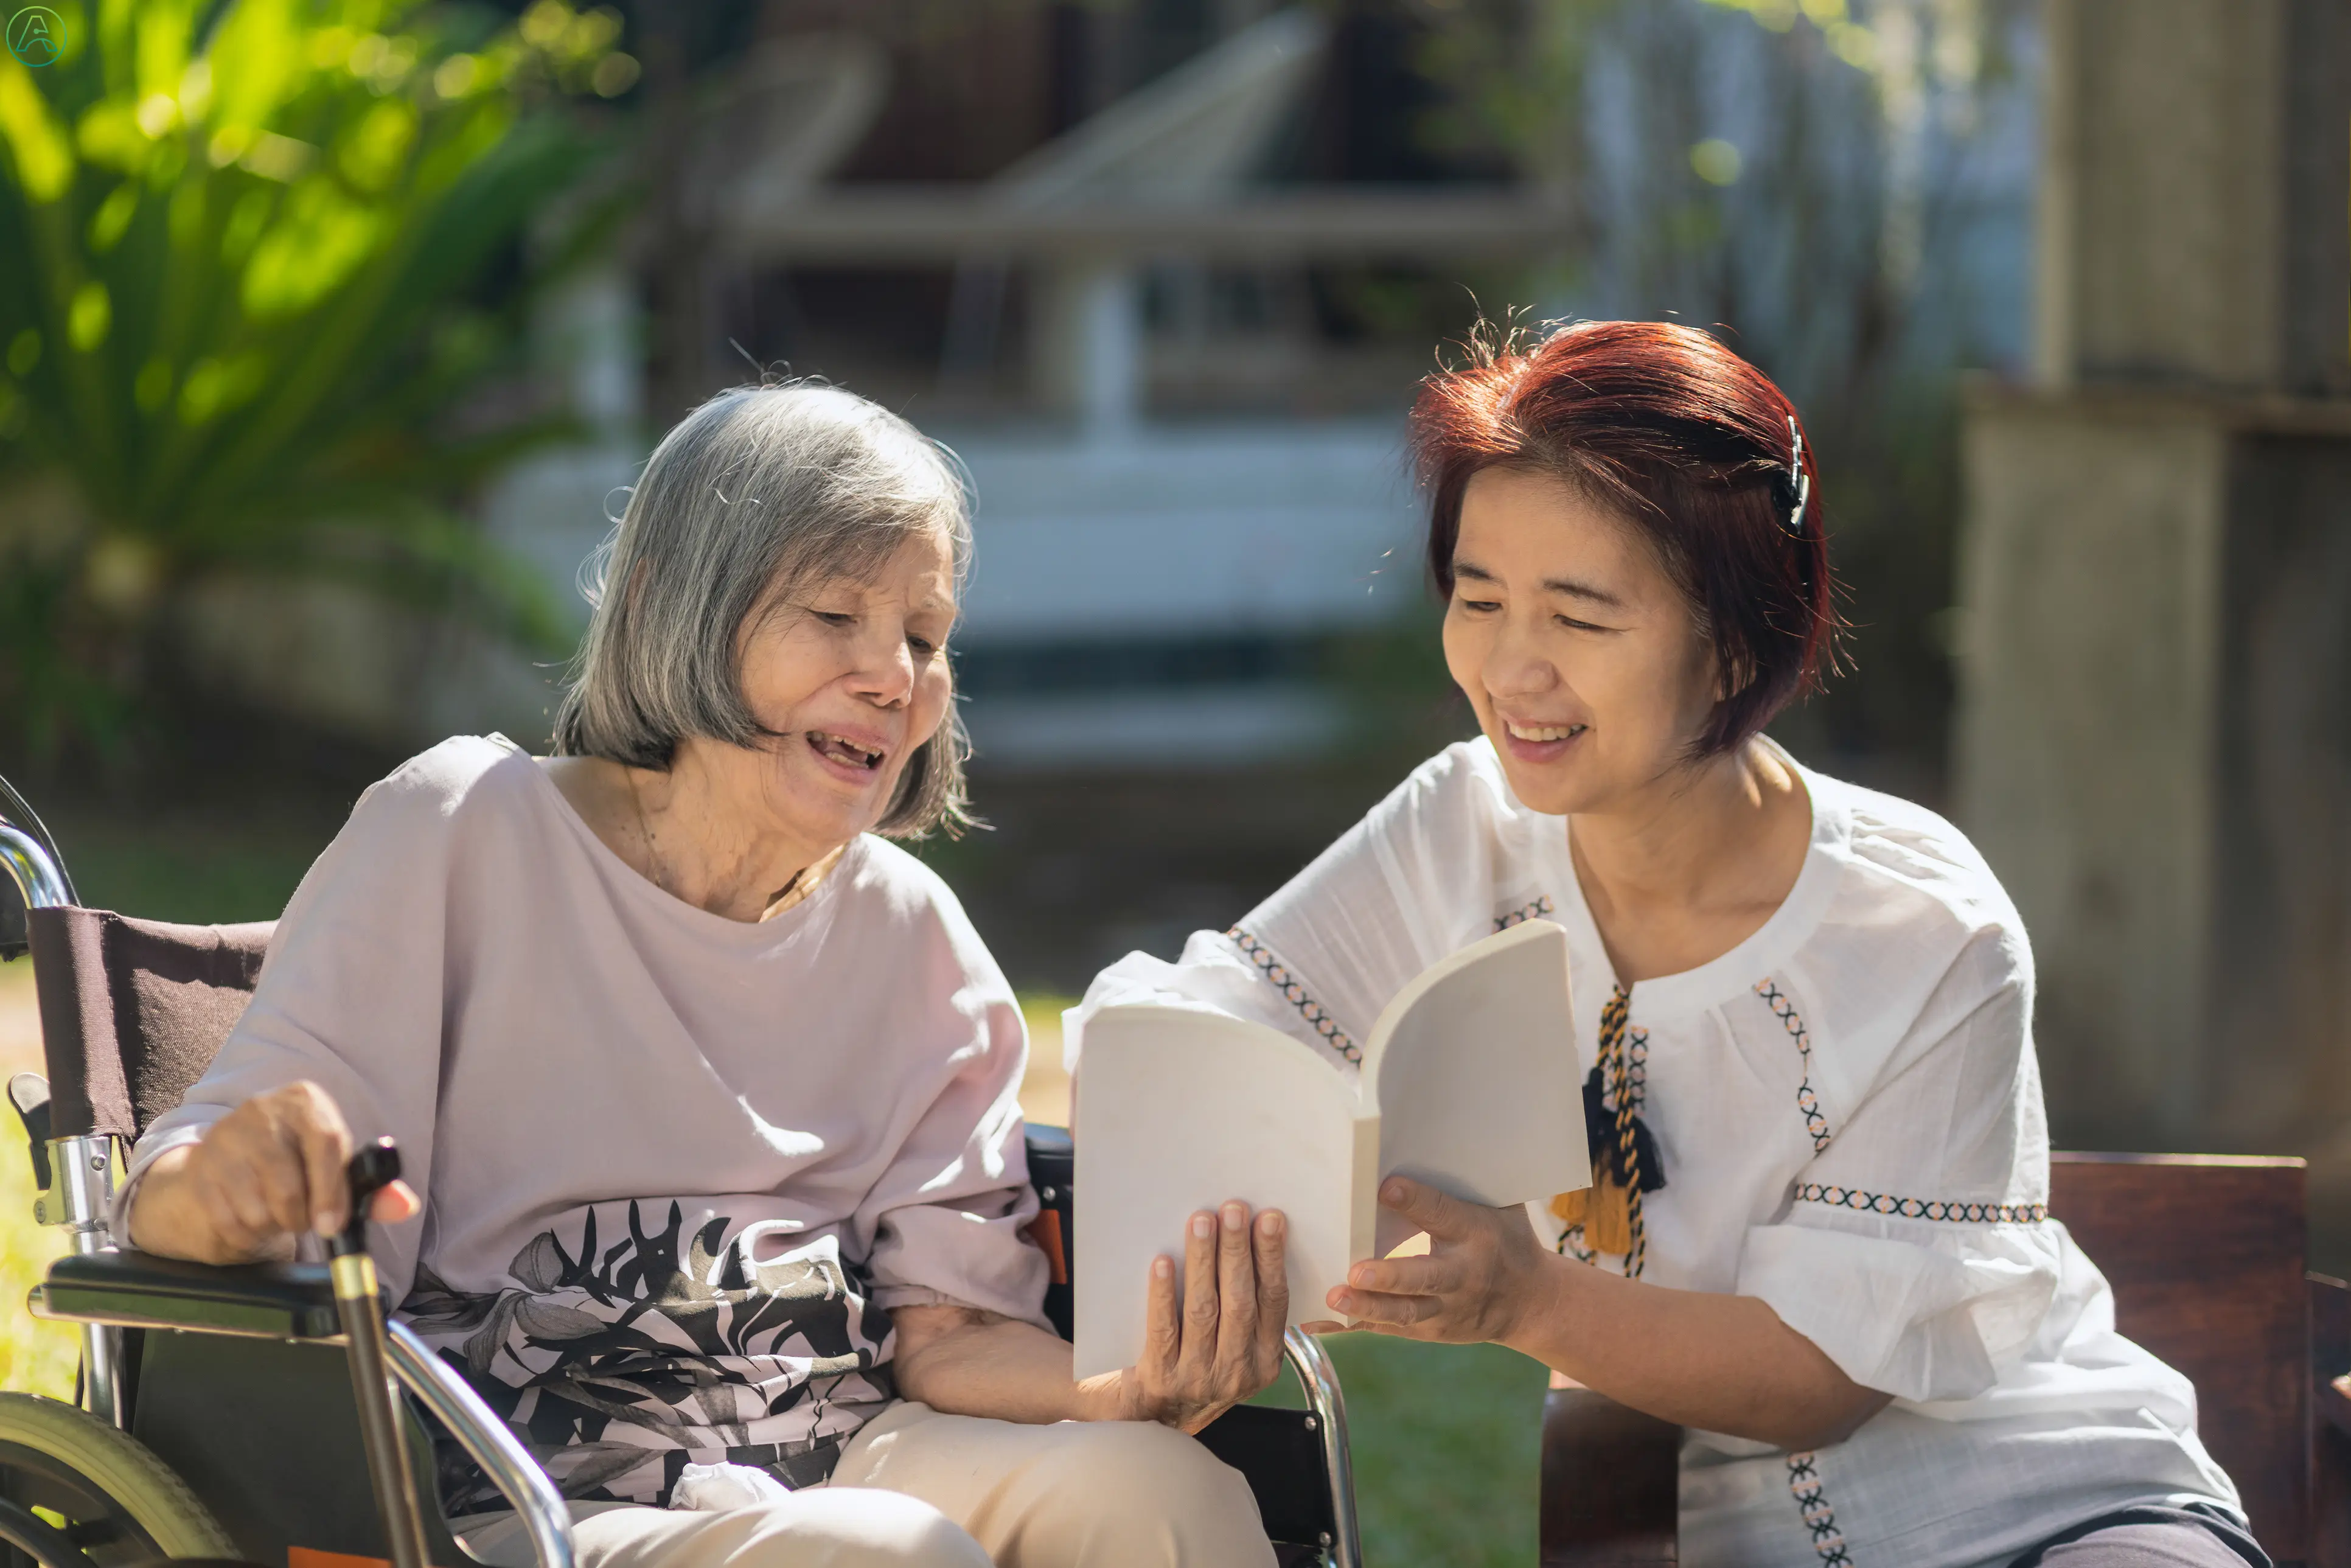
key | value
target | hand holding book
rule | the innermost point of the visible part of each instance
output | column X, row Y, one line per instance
column 1214, row 1339
column 1469, row 1086
column 1482, row 1268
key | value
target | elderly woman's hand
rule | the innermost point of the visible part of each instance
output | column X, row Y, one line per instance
column 1222, row 1341
column 1202, row 1354
column 265, row 1173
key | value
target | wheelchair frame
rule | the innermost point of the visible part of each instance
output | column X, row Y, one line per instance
column 293, row 1302
column 81, row 1173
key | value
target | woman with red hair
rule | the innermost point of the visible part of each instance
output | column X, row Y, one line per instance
column 1817, row 1234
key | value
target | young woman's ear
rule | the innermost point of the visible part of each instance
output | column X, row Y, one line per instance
column 1733, row 674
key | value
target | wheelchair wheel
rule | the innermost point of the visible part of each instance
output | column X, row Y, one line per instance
column 100, row 1494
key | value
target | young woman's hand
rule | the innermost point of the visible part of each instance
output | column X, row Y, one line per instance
column 1483, row 1272
column 265, row 1173
column 1222, row 1341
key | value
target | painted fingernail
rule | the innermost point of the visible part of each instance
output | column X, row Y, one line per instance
column 1203, row 1227
column 1236, row 1215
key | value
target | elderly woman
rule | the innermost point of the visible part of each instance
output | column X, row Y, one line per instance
column 1817, row 1234
column 708, row 1091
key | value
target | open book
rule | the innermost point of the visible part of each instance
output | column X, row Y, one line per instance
column 1469, row 1083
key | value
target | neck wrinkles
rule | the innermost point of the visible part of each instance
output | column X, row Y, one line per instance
column 709, row 841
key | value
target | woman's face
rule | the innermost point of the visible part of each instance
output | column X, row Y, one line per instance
column 852, row 677
column 1587, row 669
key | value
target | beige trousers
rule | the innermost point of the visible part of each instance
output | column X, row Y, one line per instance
column 919, row 1490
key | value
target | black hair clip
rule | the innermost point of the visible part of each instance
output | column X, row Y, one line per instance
column 1800, row 483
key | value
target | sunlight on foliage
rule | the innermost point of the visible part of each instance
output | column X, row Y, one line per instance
column 233, row 241
column 1850, row 40
column 35, row 1357
column 1716, row 162
column 1861, row 42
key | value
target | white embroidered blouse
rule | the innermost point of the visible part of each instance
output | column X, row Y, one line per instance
column 1848, row 1110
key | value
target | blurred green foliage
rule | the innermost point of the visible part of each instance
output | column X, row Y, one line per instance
column 247, row 251
column 35, row 1357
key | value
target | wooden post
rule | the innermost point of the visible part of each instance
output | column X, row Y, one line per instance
column 2156, row 587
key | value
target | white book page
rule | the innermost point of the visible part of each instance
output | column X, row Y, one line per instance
column 1177, row 1111
column 1473, row 1071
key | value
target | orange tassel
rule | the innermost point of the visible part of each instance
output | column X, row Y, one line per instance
column 1608, row 1218
column 1569, row 1207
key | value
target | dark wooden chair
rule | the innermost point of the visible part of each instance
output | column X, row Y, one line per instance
column 2205, row 1255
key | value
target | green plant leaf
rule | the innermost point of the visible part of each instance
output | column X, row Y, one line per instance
column 245, row 248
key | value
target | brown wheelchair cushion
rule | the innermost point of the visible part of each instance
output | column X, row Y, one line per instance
column 132, row 1011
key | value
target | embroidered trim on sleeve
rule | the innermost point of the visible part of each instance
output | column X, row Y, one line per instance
column 1922, row 1207
column 1804, row 1484
column 1807, row 1100
column 1282, row 980
column 1572, row 1243
column 1525, row 912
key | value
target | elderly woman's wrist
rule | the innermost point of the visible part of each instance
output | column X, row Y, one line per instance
column 1109, row 1397
column 147, row 1222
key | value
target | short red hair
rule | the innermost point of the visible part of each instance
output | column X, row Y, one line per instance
column 1692, row 446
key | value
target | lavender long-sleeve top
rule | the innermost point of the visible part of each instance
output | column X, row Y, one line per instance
column 671, row 1163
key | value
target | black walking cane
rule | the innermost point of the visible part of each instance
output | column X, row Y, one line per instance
column 372, row 1170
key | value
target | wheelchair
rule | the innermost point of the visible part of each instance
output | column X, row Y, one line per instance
column 215, row 1415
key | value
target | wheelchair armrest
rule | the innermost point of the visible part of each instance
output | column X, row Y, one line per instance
column 1052, row 1157
column 138, row 1290
column 1052, row 1168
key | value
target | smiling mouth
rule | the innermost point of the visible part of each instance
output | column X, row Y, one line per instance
column 1542, row 732
column 848, row 753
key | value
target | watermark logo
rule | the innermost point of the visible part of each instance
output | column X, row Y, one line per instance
column 37, row 36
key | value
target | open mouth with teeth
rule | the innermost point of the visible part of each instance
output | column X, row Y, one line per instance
column 848, row 753
column 1538, row 733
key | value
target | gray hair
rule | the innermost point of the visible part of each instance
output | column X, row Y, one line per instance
column 760, row 489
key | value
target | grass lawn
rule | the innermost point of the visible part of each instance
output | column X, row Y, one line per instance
column 1448, row 1446
column 1446, row 1437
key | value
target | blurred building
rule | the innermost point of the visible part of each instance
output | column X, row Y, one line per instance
column 1165, row 275
column 1186, row 480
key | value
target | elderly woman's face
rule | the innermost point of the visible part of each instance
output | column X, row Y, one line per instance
column 852, row 675
column 1578, row 651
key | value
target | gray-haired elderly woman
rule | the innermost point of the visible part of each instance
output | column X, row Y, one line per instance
column 709, row 1092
